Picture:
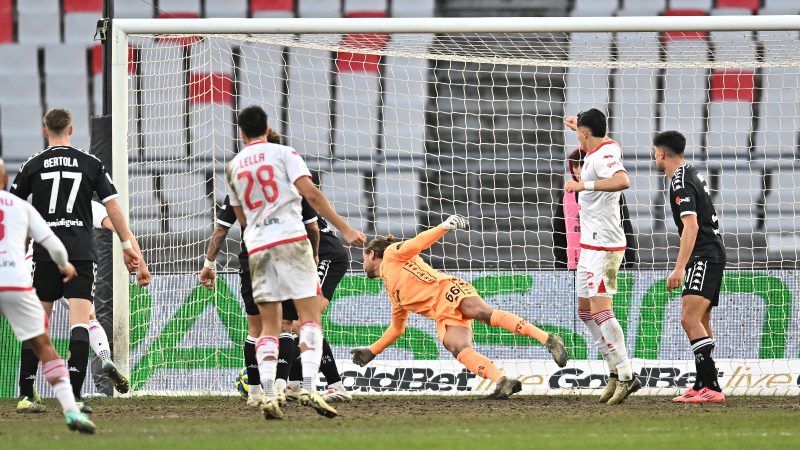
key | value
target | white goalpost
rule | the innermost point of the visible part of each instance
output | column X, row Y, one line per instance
column 405, row 121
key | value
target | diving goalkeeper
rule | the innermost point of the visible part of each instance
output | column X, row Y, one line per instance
column 414, row 286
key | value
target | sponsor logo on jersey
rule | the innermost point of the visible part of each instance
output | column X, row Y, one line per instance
column 679, row 200
column 267, row 222
column 65, row 223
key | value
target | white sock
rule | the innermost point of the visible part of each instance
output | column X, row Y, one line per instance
column 337, row 385
column 599, row 341
column 612, row 333
column 267, row 357
column 255, row 391
column 55, row 372
column 98, row 340
column 310, row 358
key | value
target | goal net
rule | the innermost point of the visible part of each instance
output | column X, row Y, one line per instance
column 402, row 129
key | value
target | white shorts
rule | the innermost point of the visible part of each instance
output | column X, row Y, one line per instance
column 24, row 312
column 284, row 272
column 597, row 273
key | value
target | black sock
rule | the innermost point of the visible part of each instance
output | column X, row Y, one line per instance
column 253, row 376
column 698, row 379
column 78, row 358
column 28, row 366
column 328, row 365
column 286, row 355
column 296, row 373
column 706, row 369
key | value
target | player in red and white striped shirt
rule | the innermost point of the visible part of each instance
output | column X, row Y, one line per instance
column 18, row 301
column 602, row 180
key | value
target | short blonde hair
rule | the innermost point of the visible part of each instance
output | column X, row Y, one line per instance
column 57, row 120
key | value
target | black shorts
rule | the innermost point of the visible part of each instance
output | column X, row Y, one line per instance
column 331, row 272
column 49, row 283
column 289, row 311
column 704, row 278
column 246, row 288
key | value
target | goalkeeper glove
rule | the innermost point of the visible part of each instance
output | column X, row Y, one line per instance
column 362, row 356
column 455, row 222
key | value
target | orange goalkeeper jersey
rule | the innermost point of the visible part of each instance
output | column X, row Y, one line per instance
column 414, row 286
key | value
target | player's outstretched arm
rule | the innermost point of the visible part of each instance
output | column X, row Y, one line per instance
column 208, row 273
column 363, row 355
column 129, row 254
column 424, row 240
column 318, row 200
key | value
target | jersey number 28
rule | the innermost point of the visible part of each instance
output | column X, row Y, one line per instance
column 265, row 175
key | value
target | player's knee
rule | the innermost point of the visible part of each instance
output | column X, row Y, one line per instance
column 688, row 322
column 457, row 348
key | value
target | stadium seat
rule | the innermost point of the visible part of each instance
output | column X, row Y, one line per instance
column 19, row 59
column 38, row 28
column 20, row 130
column 179, row 6
column 319, row 8
column 79, row 27
column 642, row 7
column 739, row 191
column 749, row 5
column 396, row 201
column 6, row 22
column 210, row 112
column 71, row 6
column 309, row 103
column 594, row 8
column 163, row 102
column 413, row 8
column 355, row 134
column 226, row 8
column 39, row 6
column 359, row 6
column 261, row 80
column 633, row 109
column 143, row 203
column 586, row 87
column 730, row 117
column 345, row 190
column 16, row 89
column 645, row 195
column 67, row 59
column 134, row 10
column 783, row 193
column 406, row 84
column 704, row 5
column 62, row 88
column 18, row 148
column 185, row 196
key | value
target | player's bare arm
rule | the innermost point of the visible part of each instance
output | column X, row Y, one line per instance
column 130, row 255
column 312, row 229
column 143, row 277
column 618, row 182
column 688, row 238
column 318, row 200
column 208, row 273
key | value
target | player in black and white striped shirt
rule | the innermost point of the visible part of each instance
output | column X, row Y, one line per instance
column 61, row 181
column 700, row 263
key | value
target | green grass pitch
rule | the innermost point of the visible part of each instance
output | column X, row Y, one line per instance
column 416, row 422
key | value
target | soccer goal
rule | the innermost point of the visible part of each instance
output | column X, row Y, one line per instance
column 405, row 121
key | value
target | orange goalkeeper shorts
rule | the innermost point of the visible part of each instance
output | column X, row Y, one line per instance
column 451, row 293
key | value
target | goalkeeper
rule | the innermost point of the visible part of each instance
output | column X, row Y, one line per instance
column 414, row 286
